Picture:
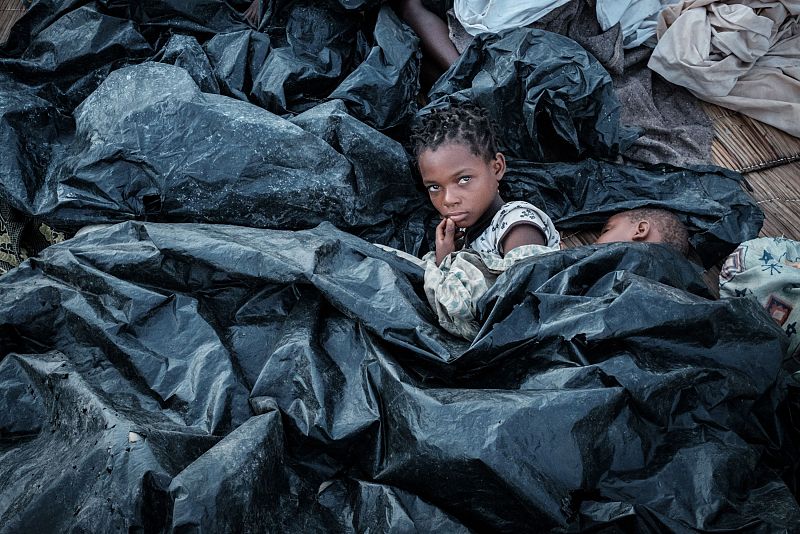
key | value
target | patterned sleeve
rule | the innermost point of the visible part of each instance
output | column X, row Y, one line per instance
column 516, row 213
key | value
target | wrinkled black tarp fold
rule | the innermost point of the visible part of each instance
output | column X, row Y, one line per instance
column 550, row 98
column 172, row 144
column 166, row 376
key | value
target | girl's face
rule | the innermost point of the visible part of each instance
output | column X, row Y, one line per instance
column 462, row 186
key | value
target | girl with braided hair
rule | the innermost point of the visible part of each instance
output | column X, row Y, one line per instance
column 461, row 168
column 480, row 235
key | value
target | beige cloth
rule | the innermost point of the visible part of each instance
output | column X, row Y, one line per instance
column 455, row 287
column 740, row 54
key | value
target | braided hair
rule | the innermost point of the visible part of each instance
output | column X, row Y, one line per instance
column 462, row 123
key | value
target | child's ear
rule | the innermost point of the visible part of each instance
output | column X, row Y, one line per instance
column 499, row 165
column 642, row 231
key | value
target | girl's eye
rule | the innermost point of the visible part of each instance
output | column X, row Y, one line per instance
column 464, row 179
column 432, row 188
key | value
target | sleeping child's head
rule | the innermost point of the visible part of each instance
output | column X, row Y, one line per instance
column 461, row 169
column 649, row 225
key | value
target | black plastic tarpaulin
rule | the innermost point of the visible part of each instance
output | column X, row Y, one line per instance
column 149, row 144
column 711, row 201
column 183, row 376
column 164, row 377
column 551, row 99
column 96, row 134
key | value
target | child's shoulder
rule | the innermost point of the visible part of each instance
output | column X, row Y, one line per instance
column 521, row 212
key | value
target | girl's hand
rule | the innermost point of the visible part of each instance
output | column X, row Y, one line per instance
column 445, row 239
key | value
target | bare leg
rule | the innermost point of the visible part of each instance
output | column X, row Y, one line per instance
column 431, row 30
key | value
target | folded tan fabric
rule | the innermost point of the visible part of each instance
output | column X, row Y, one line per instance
column 740, row 54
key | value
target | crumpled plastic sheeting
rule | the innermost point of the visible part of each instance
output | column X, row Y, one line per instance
column 236, row 59
column 125, row 162
column 31, row 132
column 223, row 378
column 709, row 200
column 191, row 16
column 231, row 162
column 326, row 55
column 675, row 128
column 273, row 13
column 550, row 98
column 381, row 179
column 372, row 67
column 65, row 69
column 382, row 90
column 185, row 52
column 321, row 47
